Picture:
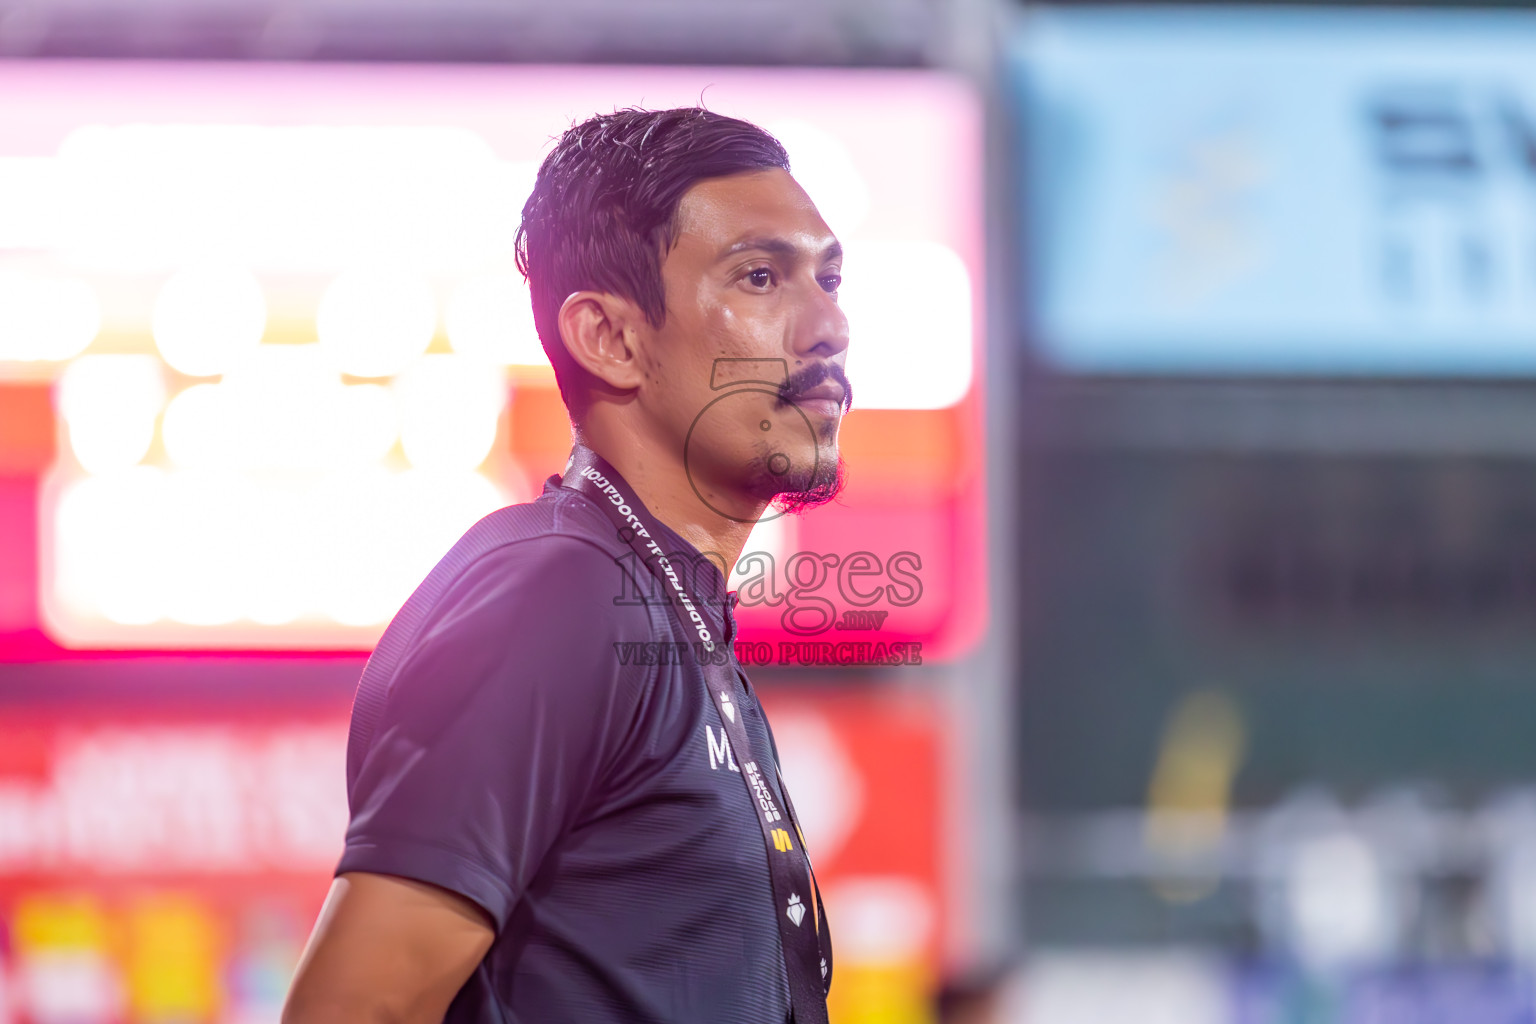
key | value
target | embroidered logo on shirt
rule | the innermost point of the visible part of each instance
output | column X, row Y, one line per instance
column 720, row 753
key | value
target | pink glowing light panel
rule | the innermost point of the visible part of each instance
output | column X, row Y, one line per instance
column 278, row 312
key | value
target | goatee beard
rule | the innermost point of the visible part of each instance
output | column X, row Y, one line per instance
column 828, row 476
column 826, row 483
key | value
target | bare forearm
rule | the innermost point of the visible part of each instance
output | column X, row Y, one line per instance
column 386, row 950
column 337, row 1009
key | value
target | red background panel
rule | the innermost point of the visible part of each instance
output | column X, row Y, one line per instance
column 886, row 749
column 27, row 434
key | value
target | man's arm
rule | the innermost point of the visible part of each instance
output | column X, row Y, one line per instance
column 387, row 950
column 494, row 725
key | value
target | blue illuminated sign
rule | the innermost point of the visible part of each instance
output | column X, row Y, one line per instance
column 1289, row 191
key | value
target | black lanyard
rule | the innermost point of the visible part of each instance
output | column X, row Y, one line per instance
column 796, row 897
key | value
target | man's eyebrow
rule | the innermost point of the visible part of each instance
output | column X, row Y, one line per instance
column 780, row 247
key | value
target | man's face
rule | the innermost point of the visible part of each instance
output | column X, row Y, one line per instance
column 746, row 374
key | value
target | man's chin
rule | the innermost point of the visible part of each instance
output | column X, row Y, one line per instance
column 827, row 484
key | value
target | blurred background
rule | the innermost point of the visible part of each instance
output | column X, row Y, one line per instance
column 1195, row 349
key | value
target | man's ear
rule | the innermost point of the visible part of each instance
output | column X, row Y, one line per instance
column 599, row 331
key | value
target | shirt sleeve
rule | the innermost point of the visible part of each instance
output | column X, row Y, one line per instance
column 497, row 723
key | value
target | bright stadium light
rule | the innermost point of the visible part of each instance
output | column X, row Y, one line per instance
column 46, row 318
column 909, row 311
column 208, row 514
column 210, row 548
column 207, row 318
column 286, row 551
column 353, row 519
column 283, row 407
column 35, row 197
column 109, row 542
column 110, row 404
column 196, row 427
column 278, row 404
column 307, row 198
column 826, row 170
column 373, row 322
column 364, row 425
column 284, row 275
column 416, row 516
column 449, row 407
column 490, row 318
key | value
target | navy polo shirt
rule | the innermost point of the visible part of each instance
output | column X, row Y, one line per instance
column 522, row 737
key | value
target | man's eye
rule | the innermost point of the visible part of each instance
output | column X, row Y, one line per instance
column 762, row 277
column 831, row 282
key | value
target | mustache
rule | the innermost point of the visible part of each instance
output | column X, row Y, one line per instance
column 798, row 383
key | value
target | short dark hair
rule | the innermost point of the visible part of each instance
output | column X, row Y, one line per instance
column 603, row 212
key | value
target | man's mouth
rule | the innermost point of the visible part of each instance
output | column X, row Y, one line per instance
column 821, row 386
column 829, row 395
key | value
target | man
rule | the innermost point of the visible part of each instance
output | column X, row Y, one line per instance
column 545, row 827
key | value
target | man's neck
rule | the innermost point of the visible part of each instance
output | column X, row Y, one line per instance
column 660, row 480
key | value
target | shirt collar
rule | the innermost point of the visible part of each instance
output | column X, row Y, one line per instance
column 718, row 613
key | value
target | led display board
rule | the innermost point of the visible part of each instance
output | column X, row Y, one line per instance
column 164, row 859
column 264, row 353
column 1296, row 191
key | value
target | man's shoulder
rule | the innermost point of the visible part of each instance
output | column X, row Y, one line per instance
column 556, row 555
column 557, row 549
column 558, row 521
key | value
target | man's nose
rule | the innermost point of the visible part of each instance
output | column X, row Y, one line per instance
column 824, row 326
